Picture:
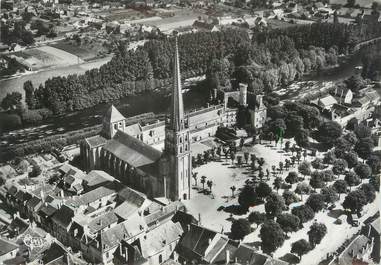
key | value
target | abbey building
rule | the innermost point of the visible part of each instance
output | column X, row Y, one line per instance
column 125, row 149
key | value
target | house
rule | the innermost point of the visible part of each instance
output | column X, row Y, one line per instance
column 155, row 247
column 326, row 102
column 96, row 179
column 204, row 246
column 343, row 95
column 56, row 254
column 357, row 251
column 8, row 250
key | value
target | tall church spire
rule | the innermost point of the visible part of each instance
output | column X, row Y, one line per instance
column 177, row 106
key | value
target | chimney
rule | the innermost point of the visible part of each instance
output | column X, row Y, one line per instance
column 97, row 244
column 209, row 241
column 188, row 227
column 62, row 194
column 227, row 256
column 199, row 218
column 259, row 100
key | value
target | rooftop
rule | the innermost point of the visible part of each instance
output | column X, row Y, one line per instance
column 132, row 150
column 7, row 246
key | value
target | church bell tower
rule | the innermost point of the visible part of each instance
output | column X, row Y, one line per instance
column 177, row 155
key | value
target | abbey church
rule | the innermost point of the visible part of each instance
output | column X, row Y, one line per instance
column 124, row 148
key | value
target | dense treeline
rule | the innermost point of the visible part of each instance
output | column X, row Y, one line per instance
column 130, row 72
column 274, row 58
column 325, row 35
column 372, row 63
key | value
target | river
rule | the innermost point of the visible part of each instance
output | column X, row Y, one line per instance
column 195, row 97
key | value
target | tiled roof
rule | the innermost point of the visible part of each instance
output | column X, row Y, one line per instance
column 327, row 100
column 113, row 115
column 127, row 229
column 133, row 129
column 96, row 177
column 164, row 212
column 18, row 225
column 156, row 239
column 47, row 210
column 376, row 225
column 132, row 196
column 96, row 141
column 131, row 150
column 102, row 222
column 53, row 253
column 91, row 196
column 63, row 216
column 33, row 202
column 7, row 246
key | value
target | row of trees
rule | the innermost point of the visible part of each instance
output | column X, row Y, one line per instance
column 133, row 71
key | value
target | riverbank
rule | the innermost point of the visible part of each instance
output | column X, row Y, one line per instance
column 16, row 83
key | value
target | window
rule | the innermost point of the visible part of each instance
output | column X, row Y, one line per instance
column 186, row 147
column 181, row 149
column 160, row 259
column 115, row 126
column 181, row 139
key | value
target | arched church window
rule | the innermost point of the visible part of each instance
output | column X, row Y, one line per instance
column 181, row 139
column 186, row 147
column 181, row 149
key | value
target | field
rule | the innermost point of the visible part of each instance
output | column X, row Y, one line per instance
column 83, row 53
column 15, row 84
column 46, row 56
column 224, row 174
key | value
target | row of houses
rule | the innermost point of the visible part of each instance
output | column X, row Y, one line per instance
column 110, row 223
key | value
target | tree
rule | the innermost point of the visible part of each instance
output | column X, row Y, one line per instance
column 329, row 131
column 363, row 171
column 278, row 183
column 352, row 179
column 305, row 168
column 288, row 222
column 352, row 159
column 362, row 131
column 301, row 138
column 317, row 163
column 303, row 212
column 289, row 197
column 330, row 195
column 11, row 100
column 364, row 148
column 316, row 180
column 292, row 177
column 263, row 190
column 316, row 202
column 203, row 181
column 340, row 186
column 246, row 156
column 302, row 188
column 239, row 161
column 29, row 94
column 240, row 228
column 272, row 236
column 316, row 233
column 354, row 201
column 36, row 171
column 257, row 218
column 274, row 204
column 329, row 157
column 209, row 183
column 369, row 191
column 327, row 175
column 233, row 188
column 232, row 156
column 339, row 166
column 194, row 176
column 300, row 247
column 247, row 197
